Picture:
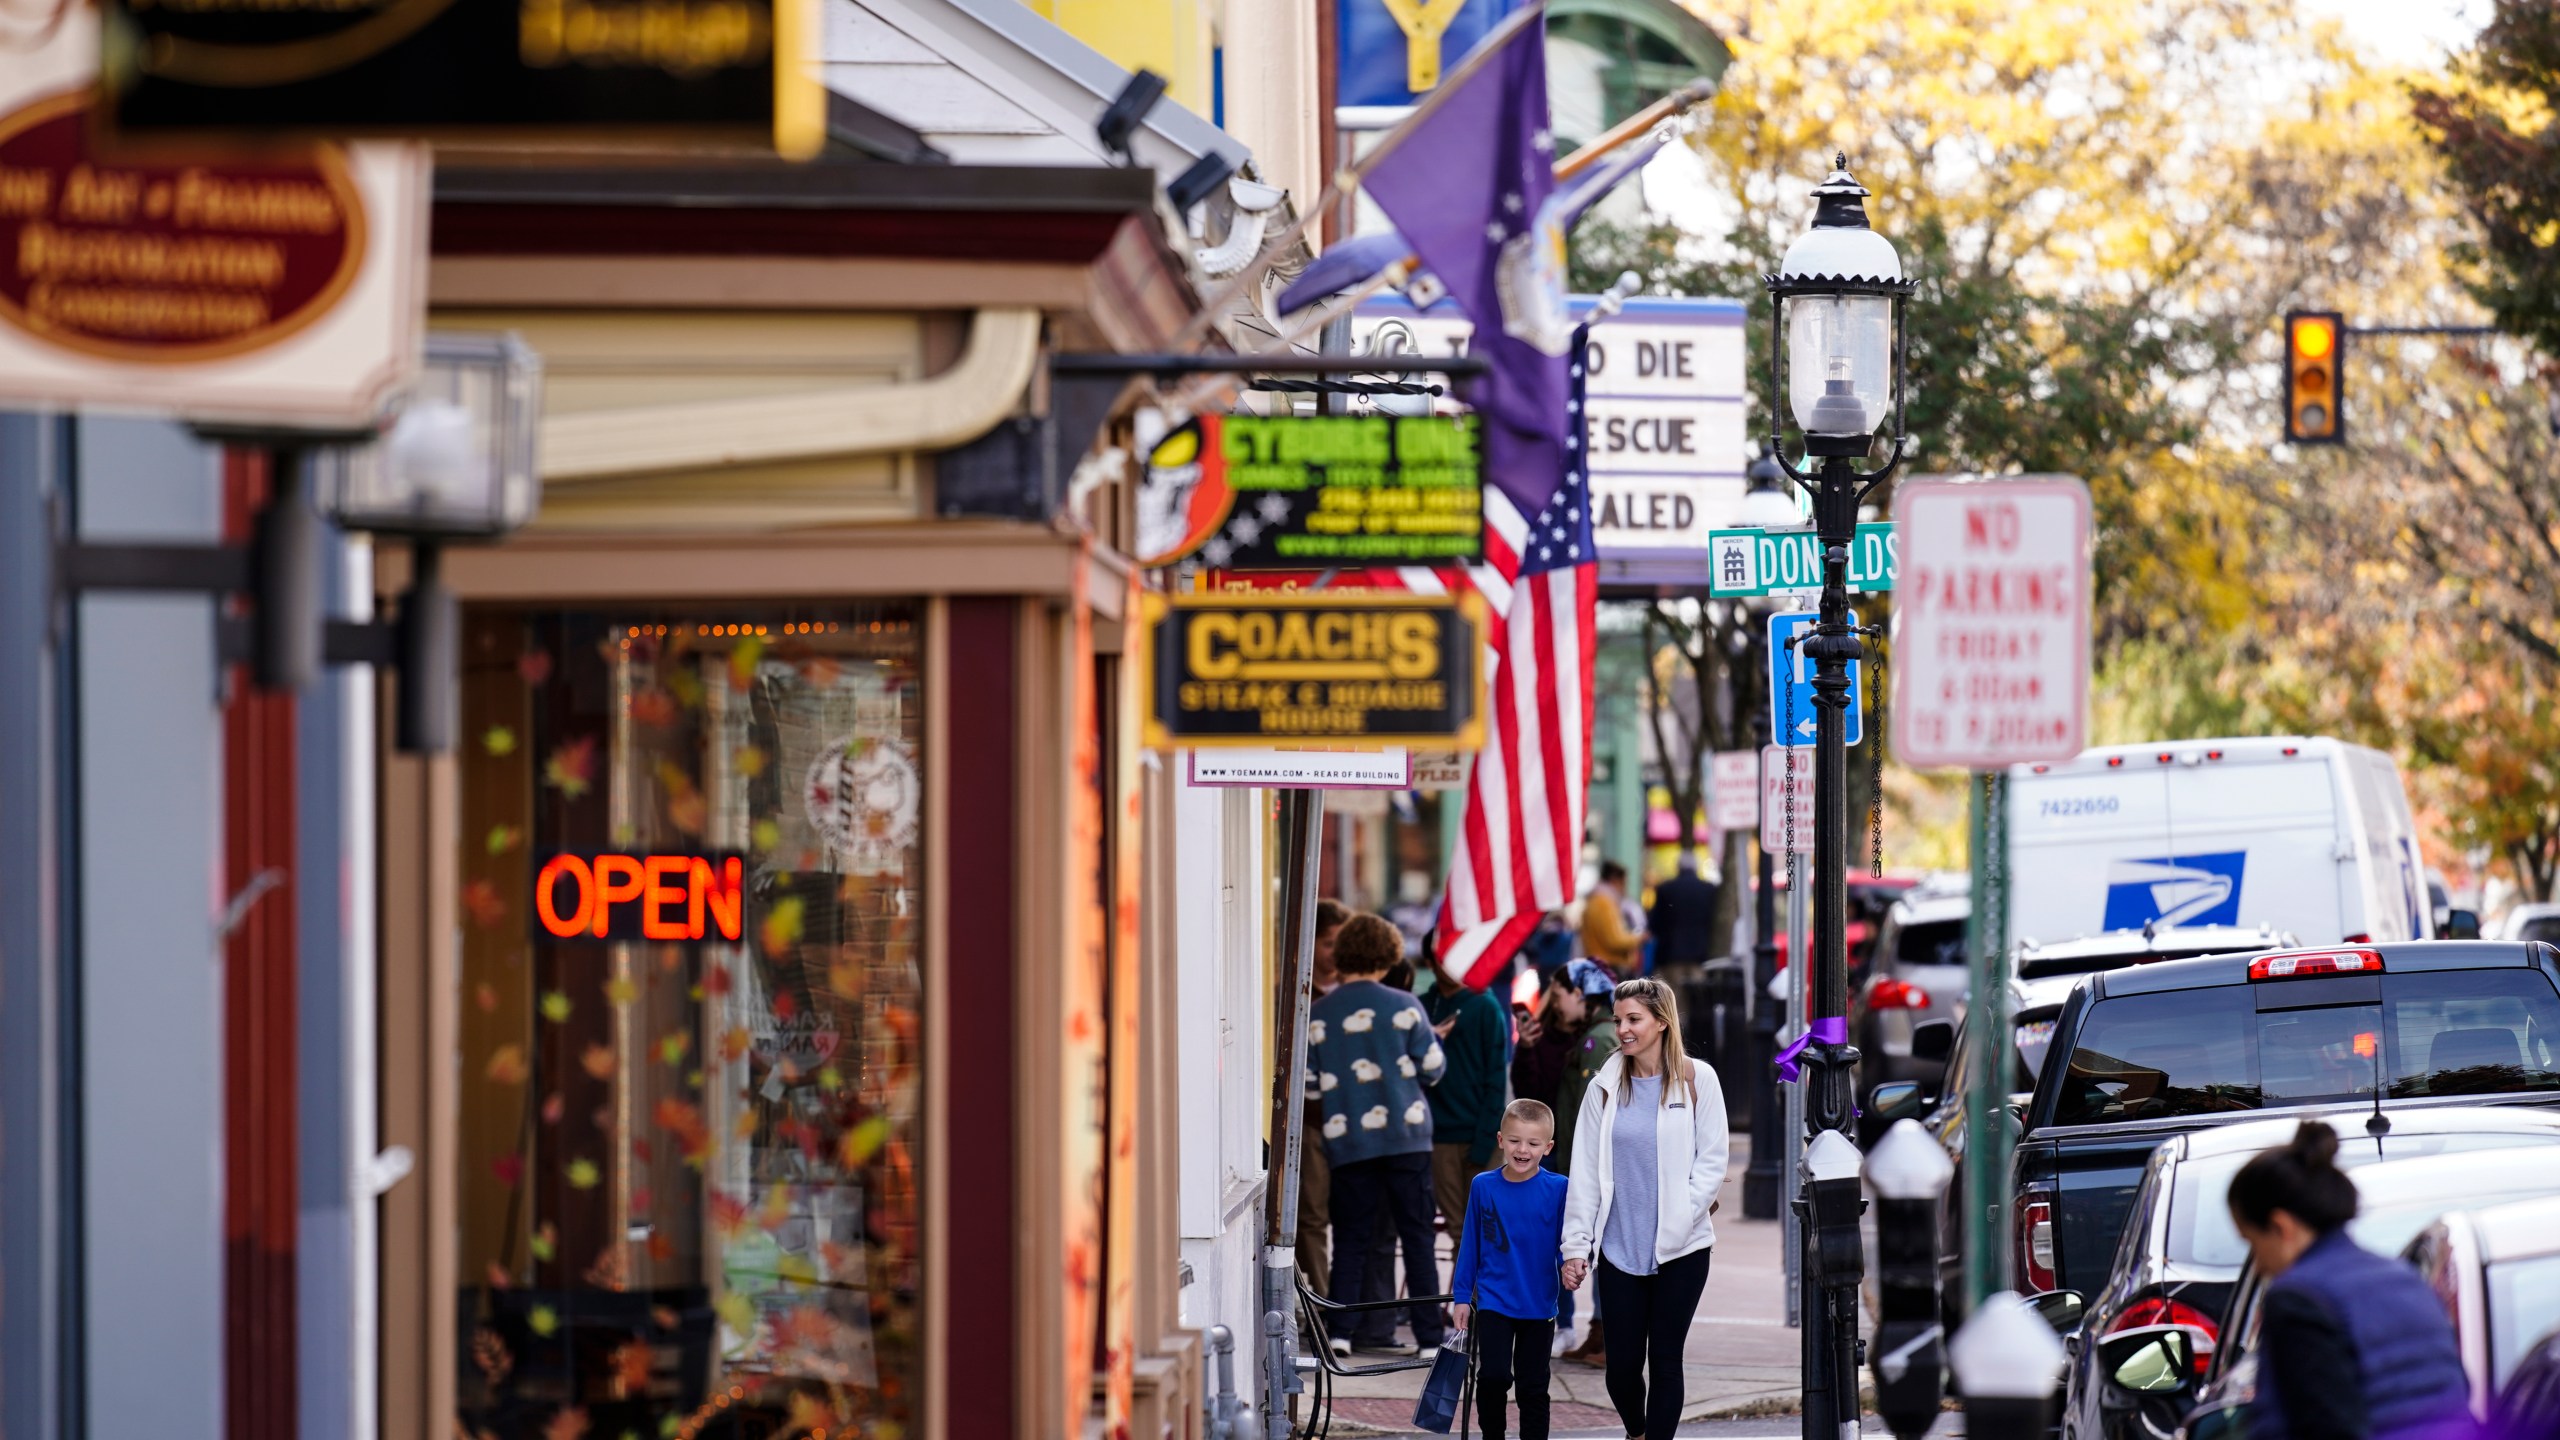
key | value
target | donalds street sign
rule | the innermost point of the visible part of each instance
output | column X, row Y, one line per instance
column 1255, row 667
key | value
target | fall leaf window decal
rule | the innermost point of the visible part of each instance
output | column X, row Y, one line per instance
column 690, row 1168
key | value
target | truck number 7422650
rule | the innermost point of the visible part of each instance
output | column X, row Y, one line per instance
column 2077, row 805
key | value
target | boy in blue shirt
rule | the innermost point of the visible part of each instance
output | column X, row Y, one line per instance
column 1505, row 1282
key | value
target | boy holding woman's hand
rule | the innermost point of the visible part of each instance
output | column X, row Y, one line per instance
column 1506, row 1273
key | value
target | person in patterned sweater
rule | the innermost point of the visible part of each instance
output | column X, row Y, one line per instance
column 1372, row 1051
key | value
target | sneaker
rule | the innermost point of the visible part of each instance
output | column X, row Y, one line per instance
column 1340, row 1347
column 1428, row 1352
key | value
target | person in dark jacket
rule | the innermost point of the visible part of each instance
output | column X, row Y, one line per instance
column 1466, row 1106
column 1682, row 921
column 2352, row 1346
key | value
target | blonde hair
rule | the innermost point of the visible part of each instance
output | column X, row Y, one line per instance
column 1531, row 1112
column 1655, row 996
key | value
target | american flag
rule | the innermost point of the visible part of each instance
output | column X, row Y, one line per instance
column 1519, row 851
column 1521, row 846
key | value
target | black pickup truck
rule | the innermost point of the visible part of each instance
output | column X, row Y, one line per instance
column 2152, row 1051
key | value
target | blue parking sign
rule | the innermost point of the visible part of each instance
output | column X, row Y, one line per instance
column 1791, row 682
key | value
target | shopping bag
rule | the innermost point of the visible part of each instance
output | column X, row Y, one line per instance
column 1444, row 1394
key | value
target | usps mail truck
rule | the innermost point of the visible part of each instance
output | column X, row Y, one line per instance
column 2305, row 836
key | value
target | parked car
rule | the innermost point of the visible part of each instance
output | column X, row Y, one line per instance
column 2539, row 921
column 1919, row 974
column 2396, row 1201
column 2180, row 1257
column 2305, row 834
column 2142, row 1054
column 2497, row 1269
column 2042, row 980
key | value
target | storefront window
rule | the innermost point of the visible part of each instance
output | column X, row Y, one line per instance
column 691, row 1023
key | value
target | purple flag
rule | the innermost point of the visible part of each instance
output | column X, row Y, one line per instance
column 1469, row 185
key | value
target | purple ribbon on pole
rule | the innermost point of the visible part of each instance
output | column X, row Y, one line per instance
column 1830, row 1030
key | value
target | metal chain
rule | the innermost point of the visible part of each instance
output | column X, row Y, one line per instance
column 1875, row 755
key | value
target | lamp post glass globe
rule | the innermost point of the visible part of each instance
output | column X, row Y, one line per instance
column 1766, row 502
column 1837, row 289
column 1840, row 363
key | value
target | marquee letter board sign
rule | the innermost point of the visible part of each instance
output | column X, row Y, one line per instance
column 1254, row 668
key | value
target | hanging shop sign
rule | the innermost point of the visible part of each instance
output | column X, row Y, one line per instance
column 616, row 896
column 1310, row 492
column 1267, row 667
column 269, row 286
column 1666, row 398
column 661, row 69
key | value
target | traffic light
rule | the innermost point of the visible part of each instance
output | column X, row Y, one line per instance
column 2314, row 383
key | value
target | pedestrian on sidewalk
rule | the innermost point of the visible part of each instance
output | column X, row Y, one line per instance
column 1650, row 1151
column 1373, row 1052
column 2353, row 1344
column 1505, row 1278
column 1606, row 935
column 1466, row 1106
column 1315, row 1177
column 1585, row 1036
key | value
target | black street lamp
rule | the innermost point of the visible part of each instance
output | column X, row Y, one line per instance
column 1765, row 505
column 1835, row 345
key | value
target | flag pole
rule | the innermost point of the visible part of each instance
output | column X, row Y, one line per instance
column 1347, row 179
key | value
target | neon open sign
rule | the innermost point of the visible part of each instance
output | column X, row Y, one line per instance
column 641, row 897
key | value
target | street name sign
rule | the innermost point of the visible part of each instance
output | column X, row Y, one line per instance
column 1778, row 798
column 1303, row 767
column 1791, row 682
column 1733, row 790
column 1313, row 492
column 272, row 287
column 1269, row 667
column 1667, row 406
column 1991, row 627
column 1743, row 563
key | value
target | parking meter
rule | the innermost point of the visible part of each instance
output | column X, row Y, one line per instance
column 2007, row 1364
column 1909, row 1173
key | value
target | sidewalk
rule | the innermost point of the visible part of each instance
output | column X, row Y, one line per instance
column 1742, row 1358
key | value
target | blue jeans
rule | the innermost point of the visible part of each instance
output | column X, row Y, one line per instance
column 1393, row 1190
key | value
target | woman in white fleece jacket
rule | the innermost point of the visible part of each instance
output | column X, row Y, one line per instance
column 1649, row 1154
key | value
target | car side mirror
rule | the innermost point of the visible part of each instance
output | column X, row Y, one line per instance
column 2148, row 1359
column 1933, row 1040
column 1895, row 1100
column 2461, row 925
column 2019, row 1100
column 2060, row 1309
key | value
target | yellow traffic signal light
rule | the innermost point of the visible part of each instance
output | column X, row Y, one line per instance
column 2314, row 383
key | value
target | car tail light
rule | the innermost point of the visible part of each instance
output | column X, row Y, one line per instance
column 2115, row 762
column 2161, row 1310
column 2164, row 757
column 2298, row 964
column 1888, row 993
column 2035, row 1243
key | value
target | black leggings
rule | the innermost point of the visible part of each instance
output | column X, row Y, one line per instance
column 1648, row 1322
column 1509, row 1350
